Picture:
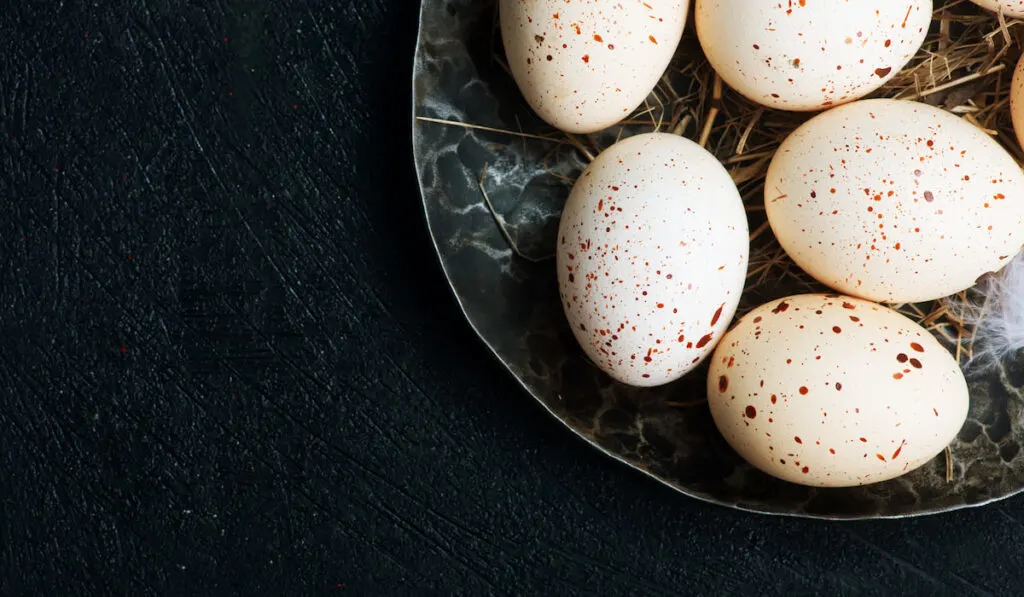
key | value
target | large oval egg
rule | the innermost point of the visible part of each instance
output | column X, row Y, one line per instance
column 834, row 391
column 652, row 257
column 584, row 66
column 1017, row 101
column 810, row 55
column 1011, row 8
column 895, row 201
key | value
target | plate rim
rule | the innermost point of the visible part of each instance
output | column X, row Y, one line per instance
column 706, row 499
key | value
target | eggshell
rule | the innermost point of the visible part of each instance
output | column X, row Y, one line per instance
column 652, row 257
column 895, row 201
column 584, row 66
column 834, row 391
column 810, row 55
column 1011, row 8
column 1017, row 101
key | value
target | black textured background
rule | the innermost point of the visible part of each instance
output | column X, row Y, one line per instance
column 229, row 363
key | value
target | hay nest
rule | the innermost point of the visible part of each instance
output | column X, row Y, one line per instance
column 965, row 66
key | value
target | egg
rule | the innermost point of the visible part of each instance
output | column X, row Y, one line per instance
column 1011, row 8
column 834, row 391
column 1017, row 101
column 584, row 66
column 895, row 201
column 805, row 56
column 652, row 256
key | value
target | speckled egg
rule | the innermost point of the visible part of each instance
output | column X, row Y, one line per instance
column 1011, row 8
column 811, row 54
column 584, row 66
column 895, row 201
column 1017, row 101
column 834, row 391
column 652, row 256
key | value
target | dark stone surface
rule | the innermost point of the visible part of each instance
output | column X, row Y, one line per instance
column 229, row 362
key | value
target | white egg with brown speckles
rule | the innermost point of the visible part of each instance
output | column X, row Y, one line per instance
column 1013, row 9
column 834, row 391
column 895, row 201
column 652, row 257
column 1017, row 101
column 584, row 66
column 811, row 54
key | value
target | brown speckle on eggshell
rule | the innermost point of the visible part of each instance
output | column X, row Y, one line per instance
column 1012, row 9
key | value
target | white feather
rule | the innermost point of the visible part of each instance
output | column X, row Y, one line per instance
column 994, row 308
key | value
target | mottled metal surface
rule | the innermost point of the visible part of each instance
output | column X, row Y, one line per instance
column 511, row 298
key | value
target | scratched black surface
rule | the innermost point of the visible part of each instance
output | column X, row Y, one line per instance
column 229, row 363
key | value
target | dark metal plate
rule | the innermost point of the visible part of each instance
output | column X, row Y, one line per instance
column 510, row 297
